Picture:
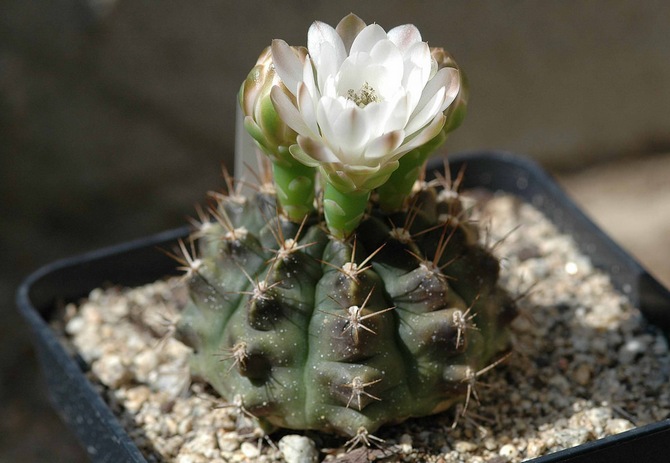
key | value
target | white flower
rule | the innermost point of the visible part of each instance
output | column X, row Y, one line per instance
column 361, row 99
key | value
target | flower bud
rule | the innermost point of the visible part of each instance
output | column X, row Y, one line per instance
column 261, row 120
column 456, row 111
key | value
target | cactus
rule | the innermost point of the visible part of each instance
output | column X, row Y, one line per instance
column 313, row 332
column 370, row 306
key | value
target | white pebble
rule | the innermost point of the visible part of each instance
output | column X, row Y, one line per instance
column 298, row 449
column 508, row 451
column 249, row 450
column 463, row 446
column 535, row 448
column 405, row 443
column 111, row 371
column 75, row 326
column 228, row 441
column 571, row 268
column 145, row 362
column 617, row 425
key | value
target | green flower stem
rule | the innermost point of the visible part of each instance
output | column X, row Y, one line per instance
column 295, row 188
column 343, row 211
column 393, row 193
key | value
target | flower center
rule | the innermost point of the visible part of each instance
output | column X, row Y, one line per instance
column 364, row 96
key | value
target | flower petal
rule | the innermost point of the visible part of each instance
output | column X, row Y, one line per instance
column 423, row 136
column 287, row 64
column 351, row 132
column 380, row 177
column 350, row 75
column 338, row 177
column 453, row 87
column 423, row 115
column 418, row 56
column 327, row 65
column 404, row 36
column 288, row 112
column 387, row 54
column 382, row 146
column 367, row 39
column 388, row 115
column 360, row 175
column 308, row 79
column 302, row 157
column 326, row 49
column 315, row 150
column 307, row 108
column 449, row 78
column 327, row 111
column 348, row 28
column 385, row 74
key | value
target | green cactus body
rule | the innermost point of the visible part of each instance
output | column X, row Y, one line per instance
column 313, row 332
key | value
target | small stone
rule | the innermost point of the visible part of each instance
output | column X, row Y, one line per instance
column 618, row 425
column 191, row 458
column 185, row 425
column 566, row 438
column 598, row 418
column 298, row 449
column 582, row 374
column 571, row 268
column 490, row 443
column 600, row 346
column 405, row 443
column 117, row 311
column 249, row 450
column 508, row 451
column 581, row 344
column 171, row 425
column 144, row 363
column 136, row 397
column 660, row 346
column 228, row 441
column 111, row 370
column 535, row 448
column 463, row 446
column 75, row 326
column 203, row 444
column 631, row 349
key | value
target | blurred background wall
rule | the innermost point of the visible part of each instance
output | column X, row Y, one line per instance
column 116, row 115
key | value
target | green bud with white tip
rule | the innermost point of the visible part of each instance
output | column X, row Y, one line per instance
column 294, row 181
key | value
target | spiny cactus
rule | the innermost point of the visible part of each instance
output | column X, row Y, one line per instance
column 373, row 302
column 313, row 332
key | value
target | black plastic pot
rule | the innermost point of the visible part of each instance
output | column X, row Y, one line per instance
column 139, row 262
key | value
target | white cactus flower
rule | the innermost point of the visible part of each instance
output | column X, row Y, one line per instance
column 361, row 99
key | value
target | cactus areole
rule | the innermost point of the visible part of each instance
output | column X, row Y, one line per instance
column 349, row 294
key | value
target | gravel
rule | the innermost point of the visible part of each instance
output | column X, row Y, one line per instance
column 585, row 365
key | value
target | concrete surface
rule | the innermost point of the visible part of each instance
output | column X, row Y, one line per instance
column 630, row 200
column 115, row 116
